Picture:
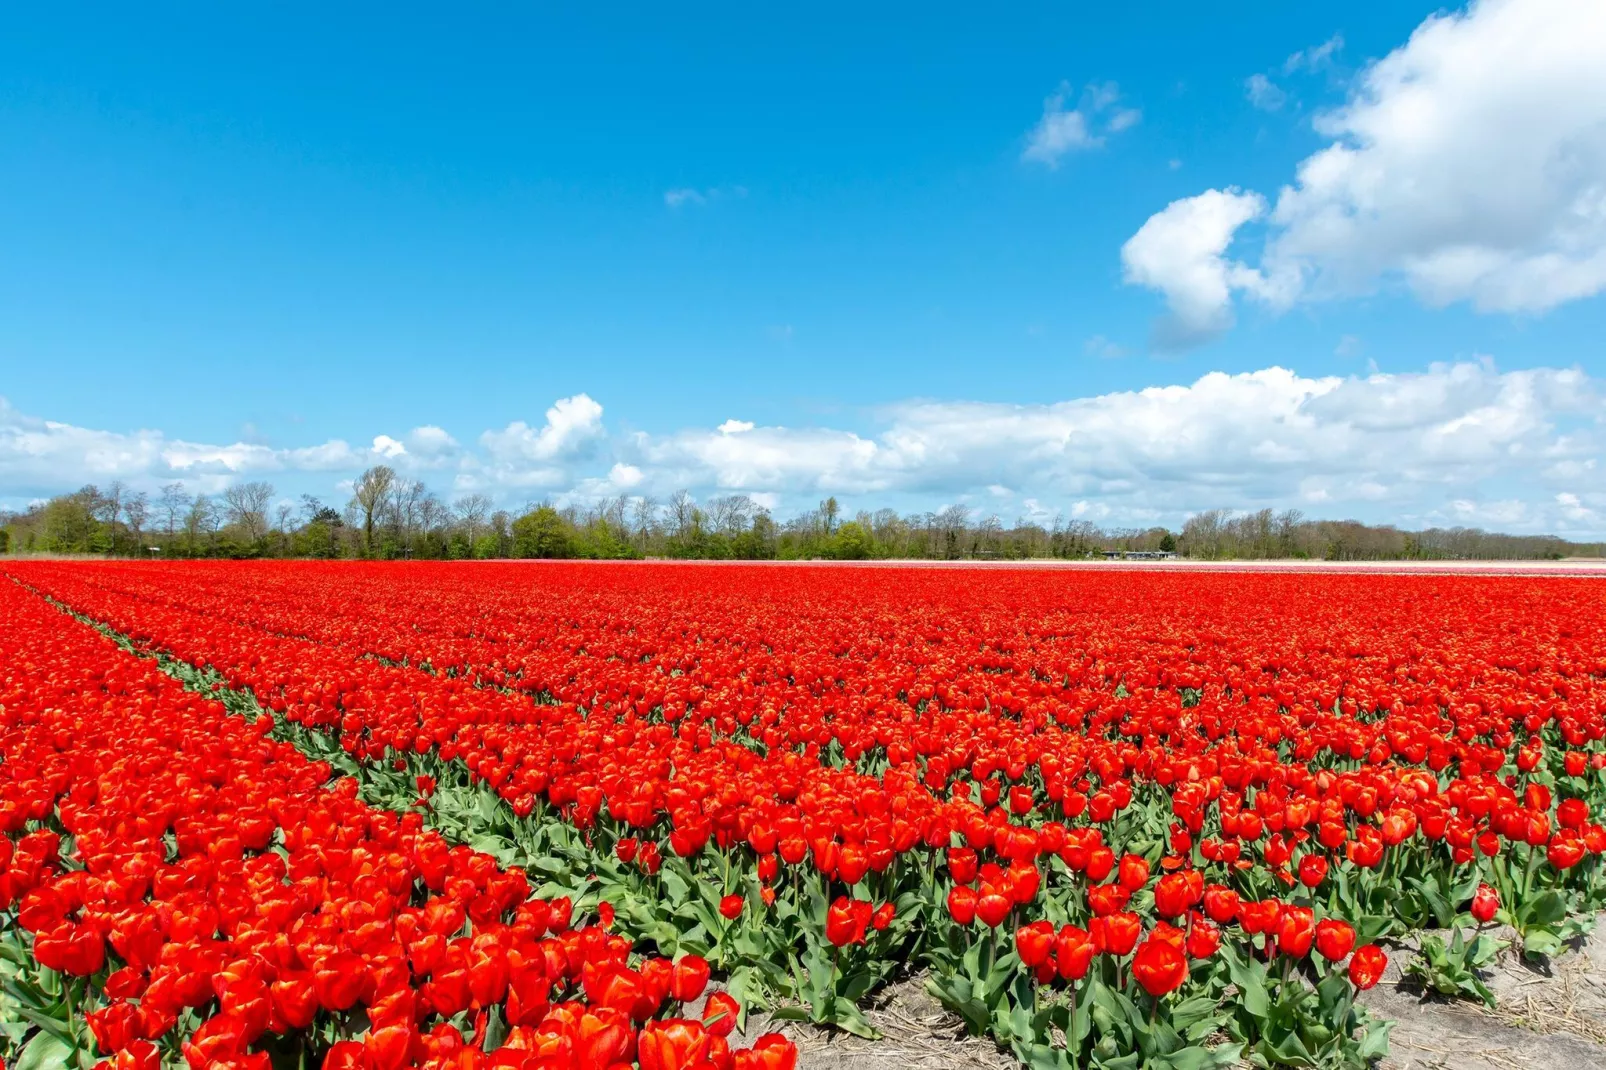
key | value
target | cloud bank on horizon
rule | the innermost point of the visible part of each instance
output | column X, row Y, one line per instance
column 1458, row 444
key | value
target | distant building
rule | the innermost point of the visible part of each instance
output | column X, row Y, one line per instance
column 1140, row 555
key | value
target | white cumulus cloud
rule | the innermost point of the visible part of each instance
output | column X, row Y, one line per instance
column 1181, row 251
column 1469, row 164
column 570, row 424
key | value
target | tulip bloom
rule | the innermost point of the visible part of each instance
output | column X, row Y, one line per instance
column 772, row 1051
column 719, row 1014
column 1221, row 904
column 962, row 904
column 674, row 1044
column 1334, row 938
column 688, row 978
column 1260, row 917
column 1366, row 966
column 1073, row 952
column 1117, row 934
column 1204, row 939
column 1034, row 943
column 1159, row 967
column 1485, row 904
column 1295, row 930
column 993, row 908
column 846, row 921
column 1172, row 896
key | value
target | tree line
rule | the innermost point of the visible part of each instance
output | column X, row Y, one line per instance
column 390, row 517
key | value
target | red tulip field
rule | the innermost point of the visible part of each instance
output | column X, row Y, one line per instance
column 594, row 816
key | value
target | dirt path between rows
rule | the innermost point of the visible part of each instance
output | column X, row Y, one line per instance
column 1545, row 1018
column 1552, row 1016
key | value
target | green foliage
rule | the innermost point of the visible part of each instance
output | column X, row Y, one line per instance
column 1453, row 969
column 391, row 518
column 542, row 533
column 602, row 541
column 851, row 543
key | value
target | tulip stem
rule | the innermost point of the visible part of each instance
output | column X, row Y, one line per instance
column 72, row 1019
column 1070, row 1033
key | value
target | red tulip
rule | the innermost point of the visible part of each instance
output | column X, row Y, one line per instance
column 719, row 1013
column 1295, row 931
column 1485, row 904
column 1260, row 917
column 1221, row 904
column 962, row 904
column 688, row 978
column 772, row 1051
column 1159, row 967
column 1312, row 870
column 1204, row 939
column 675, row 1044
column 1572, row 813
column 1133, row 873
column 347, row 1055
column 1034, row 943
column 1116, row 934
column 1565, row 851
column 1172, row 896
column 993, row 908
column 1073, row 952
column 846, row 921
column 1366, row 966
column 1334, row 939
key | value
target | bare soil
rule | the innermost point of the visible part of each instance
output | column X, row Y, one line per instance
column 1551, row 1015
column 1547, row 1016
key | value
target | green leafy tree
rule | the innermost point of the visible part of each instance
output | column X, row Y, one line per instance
column 852, row 543
column 542, row 532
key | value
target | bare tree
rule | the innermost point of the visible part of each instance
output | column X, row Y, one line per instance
column 432, row 514
column 137, row 510
column 829, row 511
column 284, row 513
column 406, row 497
column 646, row 518
column 111, row 500
column 612, row 512
column 682, row 512
column 370, row 494
column 246, row 504
column 311, row 507
column 472, row 513
column 1082, row 537
column 950, row 525
column 731, row 514
column 201, row 519
column 1203, row 533
column 174, row 503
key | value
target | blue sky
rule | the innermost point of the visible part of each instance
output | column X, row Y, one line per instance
column 230, row 240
